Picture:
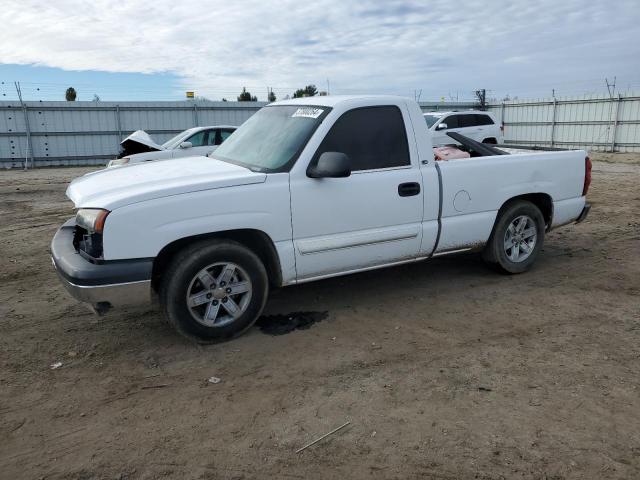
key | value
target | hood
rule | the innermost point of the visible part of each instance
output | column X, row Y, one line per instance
column 138, row 142
column 115, row 187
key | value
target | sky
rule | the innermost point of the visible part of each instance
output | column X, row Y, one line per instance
column 142, row 50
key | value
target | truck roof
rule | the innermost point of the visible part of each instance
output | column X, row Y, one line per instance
column 441, row 113
column 333, row 100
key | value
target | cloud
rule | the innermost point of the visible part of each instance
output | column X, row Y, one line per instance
column 390, row 47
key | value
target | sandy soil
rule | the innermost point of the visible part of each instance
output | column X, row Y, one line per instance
column 628, row 158
column 445, row 369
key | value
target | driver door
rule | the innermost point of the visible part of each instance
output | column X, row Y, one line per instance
column 371, row 218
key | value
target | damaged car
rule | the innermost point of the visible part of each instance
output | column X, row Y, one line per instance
column 140, row 147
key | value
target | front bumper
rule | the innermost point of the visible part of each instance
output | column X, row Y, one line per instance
column 103, row 284
column 584, row 213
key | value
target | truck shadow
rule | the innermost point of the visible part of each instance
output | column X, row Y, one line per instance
column 441, row 279
column 424, row 278
column 438, row 278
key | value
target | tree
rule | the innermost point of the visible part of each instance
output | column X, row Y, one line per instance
column 96, row 98
column 308, row 91
column 272, row 96
column 70, row 95
column 246, row 96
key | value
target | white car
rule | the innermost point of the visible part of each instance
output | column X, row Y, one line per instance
column 140, row 147
column 305, row 189
column 475, row 124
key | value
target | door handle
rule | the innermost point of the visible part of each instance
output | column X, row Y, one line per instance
column 408, row 189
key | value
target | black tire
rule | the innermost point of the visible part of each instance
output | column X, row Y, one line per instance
column 495, row 253
column 490, row 141
column 179, row 277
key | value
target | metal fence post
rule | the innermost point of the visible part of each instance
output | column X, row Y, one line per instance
column 195, row 114
column 25, row 112
column 615, row 124
column 119, row 127
column 553, row 122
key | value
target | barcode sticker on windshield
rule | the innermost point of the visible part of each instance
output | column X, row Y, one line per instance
column 308, row 112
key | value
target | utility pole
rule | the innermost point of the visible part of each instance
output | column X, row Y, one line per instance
column 615, row 124
column 611, row 87
column 29, row 155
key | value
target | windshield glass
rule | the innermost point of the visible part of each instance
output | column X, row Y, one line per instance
column 177, row 140
column 272, row 138
column 431, row 119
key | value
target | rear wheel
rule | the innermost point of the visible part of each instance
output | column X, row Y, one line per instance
column 517, row 238
column 214, row 290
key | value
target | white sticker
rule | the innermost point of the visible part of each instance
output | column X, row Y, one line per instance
column 308, row 112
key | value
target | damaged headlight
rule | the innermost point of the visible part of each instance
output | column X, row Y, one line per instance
column 91, row 219
column 117, row 162
column 88, row 233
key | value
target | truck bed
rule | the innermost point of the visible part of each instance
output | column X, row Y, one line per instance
column 473, row 191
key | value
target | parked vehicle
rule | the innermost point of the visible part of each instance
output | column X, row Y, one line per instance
column 140, row 147
column 305, row 189
column 475, row 124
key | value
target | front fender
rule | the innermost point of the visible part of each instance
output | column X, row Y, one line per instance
column 142, row 230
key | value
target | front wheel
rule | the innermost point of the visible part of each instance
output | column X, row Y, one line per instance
column 214, row 290
column 517, row 238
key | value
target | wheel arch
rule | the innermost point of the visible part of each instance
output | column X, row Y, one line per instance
column 543, row 201
column 255, row 240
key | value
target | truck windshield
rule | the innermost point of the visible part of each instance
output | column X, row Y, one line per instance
column 431, row 119
column 272, row 139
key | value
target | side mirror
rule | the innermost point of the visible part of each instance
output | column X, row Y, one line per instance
column 441, row 126
column 330, row 165
column 186, row 145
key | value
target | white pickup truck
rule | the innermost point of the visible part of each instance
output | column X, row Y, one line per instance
column 305, row 189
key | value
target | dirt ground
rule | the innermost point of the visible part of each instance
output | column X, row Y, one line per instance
column 445, row 369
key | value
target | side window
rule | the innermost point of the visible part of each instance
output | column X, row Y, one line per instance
column 373, row 137
column 482, row 119
column 198, row 139
column 224, row 134
column 212, row 137
column 468, row 120
column 451, row 121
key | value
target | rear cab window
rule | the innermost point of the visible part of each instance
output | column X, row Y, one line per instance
column 372, row 137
